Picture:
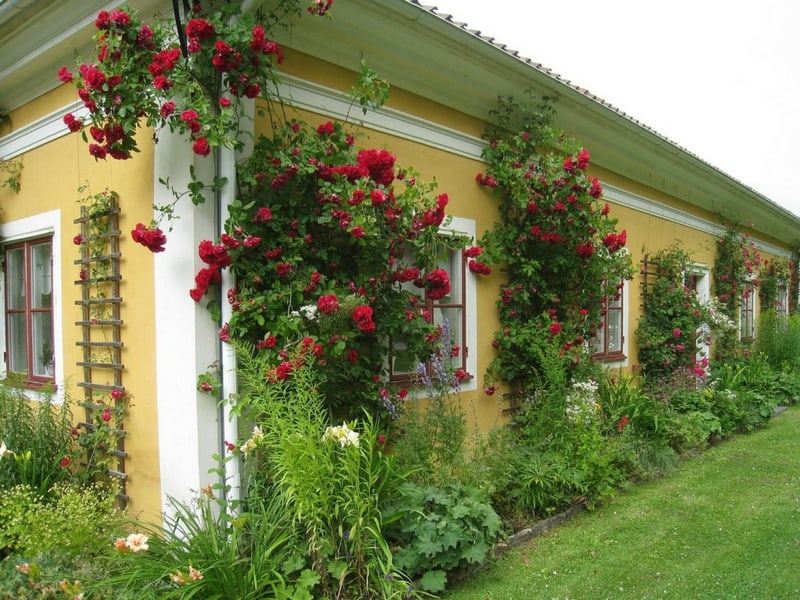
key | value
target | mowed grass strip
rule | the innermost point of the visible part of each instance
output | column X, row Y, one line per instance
column 726, row 525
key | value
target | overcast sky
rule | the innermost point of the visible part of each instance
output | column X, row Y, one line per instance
column 720, row 78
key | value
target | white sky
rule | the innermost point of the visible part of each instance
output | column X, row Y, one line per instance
column 721, row 78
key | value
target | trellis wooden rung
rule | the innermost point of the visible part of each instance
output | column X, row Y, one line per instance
column 97, row 365
column 91, row 259
column 99, row 344
column 87, row 216
column 98, row 323
column 105, row 387
column 97, row 301
column 96, row 280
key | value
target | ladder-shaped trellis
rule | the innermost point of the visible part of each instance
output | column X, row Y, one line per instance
column 104, row 397
column 650, row 274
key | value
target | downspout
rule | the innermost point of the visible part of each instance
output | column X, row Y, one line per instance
column 225, row 166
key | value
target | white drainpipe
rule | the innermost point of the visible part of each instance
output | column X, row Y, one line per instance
column 226, row 167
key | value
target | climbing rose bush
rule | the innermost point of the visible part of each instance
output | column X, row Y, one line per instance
column 145, row 75
column 557, row 240
column 334, row 247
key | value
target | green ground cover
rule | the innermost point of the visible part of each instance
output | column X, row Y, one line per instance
column 726, row 525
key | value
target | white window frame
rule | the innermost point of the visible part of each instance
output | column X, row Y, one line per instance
column 782, row 299
column 47, row 224
column 752, row 302
column 702, row 275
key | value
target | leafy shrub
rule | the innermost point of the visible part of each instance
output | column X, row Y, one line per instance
column 439, row 529
column 50, row 576
column 37, row 436
column 70, row 520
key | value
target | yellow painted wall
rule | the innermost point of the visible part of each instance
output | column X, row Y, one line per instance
column 50, row 179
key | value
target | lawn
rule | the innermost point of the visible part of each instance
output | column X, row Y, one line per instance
column 726, row 526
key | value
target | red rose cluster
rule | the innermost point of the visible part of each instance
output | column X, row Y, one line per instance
column 151, row 237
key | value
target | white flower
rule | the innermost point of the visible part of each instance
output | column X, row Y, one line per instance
column 252, row 443
column 307, row 311
column 4, row 451
column 136, row 542
column 342, row 434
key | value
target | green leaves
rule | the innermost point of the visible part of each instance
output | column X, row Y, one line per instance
column 442, row 529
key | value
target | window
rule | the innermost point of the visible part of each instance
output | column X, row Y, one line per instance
column 457, row 308
column 608, row 344
column 782, row 300
column 28, row 283
column 747, row 323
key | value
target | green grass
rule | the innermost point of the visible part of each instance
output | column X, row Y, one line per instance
column 725, row 526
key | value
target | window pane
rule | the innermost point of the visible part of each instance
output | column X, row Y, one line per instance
column 403, row 362
column 15, row 278
column 42, row 276
column 17, row 343
column 42, row 327
column 614, row 319
column 451, row 264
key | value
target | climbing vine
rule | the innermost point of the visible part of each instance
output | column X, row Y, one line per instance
column 556, row 240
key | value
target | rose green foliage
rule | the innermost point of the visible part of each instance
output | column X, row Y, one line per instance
column 673, row 314
column 37, row 436
column 735, row 273
column 562, row 252
column 332, row 245
column 440, row 529
column 71, row 520
column 773, row 275
column 333, row 481
column 11, row 174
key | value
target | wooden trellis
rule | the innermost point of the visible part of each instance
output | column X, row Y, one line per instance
column 101, row 324
column 650, row 274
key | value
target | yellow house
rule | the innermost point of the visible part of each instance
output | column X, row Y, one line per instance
column 155, row 339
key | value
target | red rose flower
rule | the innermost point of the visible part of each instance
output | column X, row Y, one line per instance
column 473, row 252
column 325, row 129
column 72, row 123
column 437, row 282
column 151, row 238
column 362, row 316
column 64, row 75
column 328, row 304
column 555, row 328
column 481, row 268
column 201, row 147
